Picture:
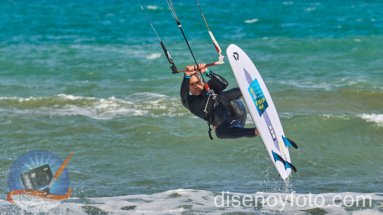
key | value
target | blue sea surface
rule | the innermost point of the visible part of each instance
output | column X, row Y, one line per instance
column 90, row 77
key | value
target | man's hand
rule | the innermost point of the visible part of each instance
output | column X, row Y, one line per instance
column 192, row 69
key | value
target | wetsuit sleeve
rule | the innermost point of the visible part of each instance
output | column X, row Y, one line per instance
column 217, row 82
column 234, row 93
column 184, row 92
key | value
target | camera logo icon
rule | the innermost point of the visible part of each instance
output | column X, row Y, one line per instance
column 33, row 186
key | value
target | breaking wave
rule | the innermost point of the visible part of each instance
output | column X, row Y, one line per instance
column 183, row 201
column 375, row 118
column 139, row 104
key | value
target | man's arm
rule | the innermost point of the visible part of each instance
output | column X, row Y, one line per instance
column 184, row 92
column 217, row 82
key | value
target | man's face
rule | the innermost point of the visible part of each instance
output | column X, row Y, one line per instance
column 195, row 85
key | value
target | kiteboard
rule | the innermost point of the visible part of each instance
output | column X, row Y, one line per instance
column 262, row 110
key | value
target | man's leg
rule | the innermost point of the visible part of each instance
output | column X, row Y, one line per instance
column 234, row 126
column 238, row 111
column 229, row 95
column 224, row 131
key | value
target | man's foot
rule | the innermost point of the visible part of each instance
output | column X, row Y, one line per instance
column 256, row 132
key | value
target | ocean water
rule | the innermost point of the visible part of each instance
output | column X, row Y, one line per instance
column 90, row 77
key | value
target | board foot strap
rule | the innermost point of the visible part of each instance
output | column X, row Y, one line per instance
column 289, row 143
column 285, row 163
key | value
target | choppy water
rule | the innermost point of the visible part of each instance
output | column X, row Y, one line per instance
column 90, row 77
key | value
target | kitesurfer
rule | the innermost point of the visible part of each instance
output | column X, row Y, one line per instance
column 222, row 109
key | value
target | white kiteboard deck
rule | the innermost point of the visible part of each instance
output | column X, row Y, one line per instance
column 262, row 109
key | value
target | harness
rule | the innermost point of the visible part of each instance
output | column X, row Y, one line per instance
column 210, row 105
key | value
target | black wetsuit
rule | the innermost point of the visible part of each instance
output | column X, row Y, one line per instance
column 225, row 111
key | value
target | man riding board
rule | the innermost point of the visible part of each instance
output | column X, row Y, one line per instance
column 222, row 109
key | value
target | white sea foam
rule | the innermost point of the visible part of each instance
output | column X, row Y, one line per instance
column 249, row 21
column 131, row 51
column 376, row 118
column 328, row 86
column 153, row 56
column 287, row 2
column 139, row 104
column 152, row 7
column 357, row 40
column 310, row 9
column 206, row 202
column 308, row 84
